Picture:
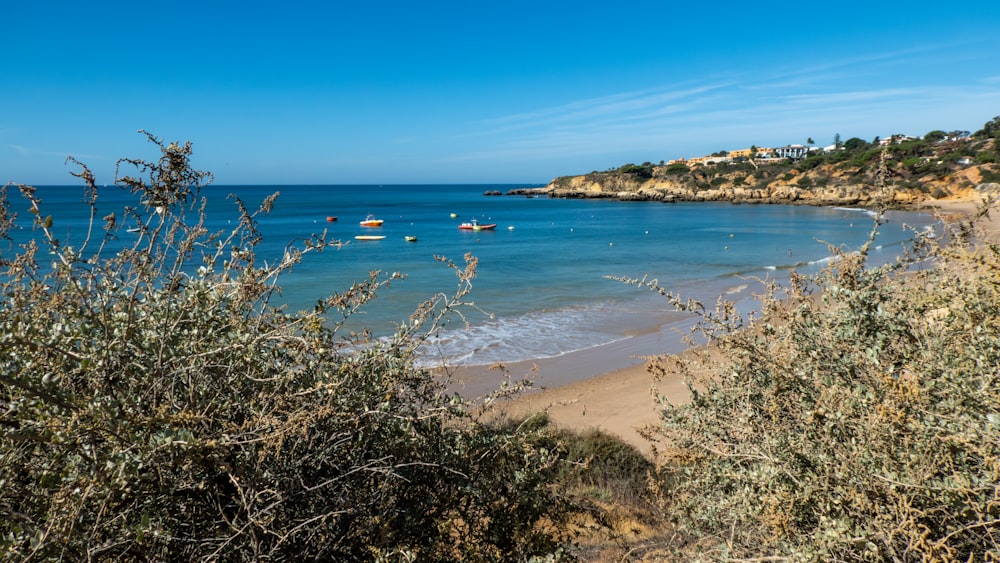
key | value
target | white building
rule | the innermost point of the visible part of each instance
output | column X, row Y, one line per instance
column 793, row 152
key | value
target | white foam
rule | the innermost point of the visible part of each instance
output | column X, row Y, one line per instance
column 867, row 212
column 738, row 289
column 535, row 335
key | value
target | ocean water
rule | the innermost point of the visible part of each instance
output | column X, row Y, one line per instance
column 542, row 288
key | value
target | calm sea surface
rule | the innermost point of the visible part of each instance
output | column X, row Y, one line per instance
column 542, row 285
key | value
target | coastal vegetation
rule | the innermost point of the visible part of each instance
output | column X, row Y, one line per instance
column 155, row 404
column 937, row 165
column 855, row 419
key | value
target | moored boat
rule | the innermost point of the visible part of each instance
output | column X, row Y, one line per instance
column 369, row 237
column 475, row 225
column 330, row 218
column 371, row 221
column 411, row 238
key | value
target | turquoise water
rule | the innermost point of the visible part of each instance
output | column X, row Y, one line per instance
column 542, row 285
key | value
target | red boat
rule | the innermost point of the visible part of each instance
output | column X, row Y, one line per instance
column 475, row 225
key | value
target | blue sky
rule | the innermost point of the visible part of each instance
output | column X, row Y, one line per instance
column 475, row 92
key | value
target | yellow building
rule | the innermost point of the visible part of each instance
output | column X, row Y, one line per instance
column 758, row 152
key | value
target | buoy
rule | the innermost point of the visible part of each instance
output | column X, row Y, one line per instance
column 453, row 215
column 730, row 235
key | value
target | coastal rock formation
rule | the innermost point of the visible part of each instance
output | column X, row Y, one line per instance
column 822, row 186
column 900, row 172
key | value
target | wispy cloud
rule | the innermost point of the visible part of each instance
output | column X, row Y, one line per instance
column 760, row 102
column 596, row 111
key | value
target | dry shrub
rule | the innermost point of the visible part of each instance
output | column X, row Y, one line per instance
column 857, row 419
column 155, row 406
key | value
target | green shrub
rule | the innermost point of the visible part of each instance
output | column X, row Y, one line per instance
column 990, row 176
column 856, row 419
column 644, row 170
column 156, row 406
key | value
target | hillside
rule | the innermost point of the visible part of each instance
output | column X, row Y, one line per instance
column 916, row 170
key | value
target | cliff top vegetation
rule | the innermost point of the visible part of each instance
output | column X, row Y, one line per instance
column 937, row 165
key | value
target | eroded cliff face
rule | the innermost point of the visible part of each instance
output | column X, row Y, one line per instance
column 818, row 187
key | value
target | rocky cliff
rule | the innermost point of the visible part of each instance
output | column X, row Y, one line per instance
column 821, row 186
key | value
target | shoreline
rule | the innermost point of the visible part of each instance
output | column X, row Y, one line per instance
column 608, row 389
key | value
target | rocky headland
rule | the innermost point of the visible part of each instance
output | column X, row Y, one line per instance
column 734, row 189
column 903, row 175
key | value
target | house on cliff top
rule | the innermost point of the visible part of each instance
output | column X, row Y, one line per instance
column 794, row 152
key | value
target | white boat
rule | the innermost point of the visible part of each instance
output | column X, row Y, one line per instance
column 371, row 221
column 369, row 237
column 475, row 225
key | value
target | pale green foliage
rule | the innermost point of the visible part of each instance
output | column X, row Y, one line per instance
column 857, row 419
column 154, row 405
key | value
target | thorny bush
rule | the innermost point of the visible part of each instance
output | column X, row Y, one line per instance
column 155, row 405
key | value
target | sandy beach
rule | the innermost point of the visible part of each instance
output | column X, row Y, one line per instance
column 622, row 401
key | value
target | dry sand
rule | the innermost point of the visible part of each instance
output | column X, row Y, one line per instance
column 621, row 402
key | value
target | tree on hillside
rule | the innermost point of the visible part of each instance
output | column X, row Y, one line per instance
column 935, row 135
column 836, row 141
column 156, row 406
column 991, row 129
column 855, row 143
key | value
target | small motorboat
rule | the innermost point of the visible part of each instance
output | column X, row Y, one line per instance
column 411, row 238
column 371, row 221
column 475, row 225
column 330, row 218
column 369, row 237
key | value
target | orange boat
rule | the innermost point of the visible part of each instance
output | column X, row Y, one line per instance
column 475, row 225
column 371, row 221
column 330, row 218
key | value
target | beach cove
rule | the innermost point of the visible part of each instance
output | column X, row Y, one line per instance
column 623, row 401
column 544, row 302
